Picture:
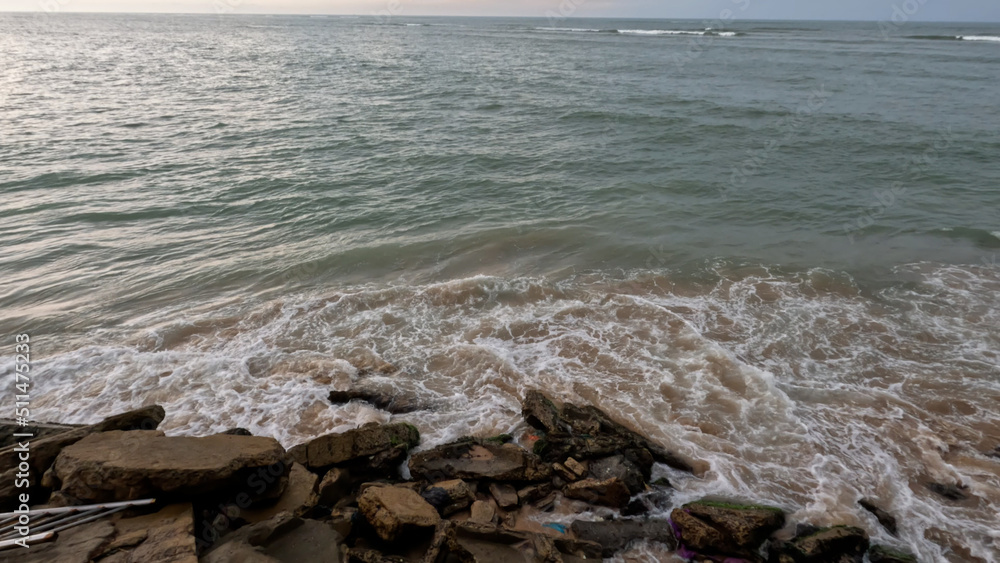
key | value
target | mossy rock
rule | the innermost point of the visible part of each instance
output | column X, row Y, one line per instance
column 883, row 554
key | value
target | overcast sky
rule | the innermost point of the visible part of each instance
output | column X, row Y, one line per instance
column 934, row 10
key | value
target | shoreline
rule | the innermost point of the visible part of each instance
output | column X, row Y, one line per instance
column 583, row 492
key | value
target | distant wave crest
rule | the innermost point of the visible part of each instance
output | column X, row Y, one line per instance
column 988, row 38
column 643, row 31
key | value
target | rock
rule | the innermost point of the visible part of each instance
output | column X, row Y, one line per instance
column 475, row 459
column 609, row 492
column 394, row 404
column 238, row 432
column 587, row 433
column 115, row 466
column 656, row 499
column 616, row 535
column 299, row 496
column 578, row 469
column 166, row 536
column 45, row 450
column 484, row 512
column 356, row 445
column 313, row 541
column 80, row 544
column 579, row 548
column 710, row 528
column 39, row 430
column 888, row 521
column 281, row 539
column 548, row 502
column 620, row 468
column 361, row 555
column 839, row 543
column 448, row 497
column 532, row 493
column 505, row 495
column 950, row 492
column 488, row 543
column 342, row 520
column 394, row 511
column 882, row 554
column 539, row 411
column 564, row 472
column 335, row 485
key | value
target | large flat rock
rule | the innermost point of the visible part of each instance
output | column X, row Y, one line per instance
column 475, row 459
column 394, row 511
column 114, row 466
column 354, row 445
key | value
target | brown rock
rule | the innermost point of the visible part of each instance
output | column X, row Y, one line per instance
column 336, row 484
column 616, row 535
column 587, row 432
column 882, row 554
column 505, row 495
column 39, row 430
column 888, row 521
column 564, row 472
column 475, row 459
column 299, row 496
column 281, row 539
column 369, row 440
column 75, row 545
column 838, row 543
column 540, row 412
column 115, row 466
column 449, row 496
column 394, row 404
column 393, row 511
column 578, row 469
column 166, row 536
column 45, row 450
column 484, row 512
column 745, row 527
column 362, row 555
column 618, row 467
column 532, row 493
column 610, row 492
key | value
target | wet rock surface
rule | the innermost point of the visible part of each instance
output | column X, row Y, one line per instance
column 117, row 465
column 343, row 497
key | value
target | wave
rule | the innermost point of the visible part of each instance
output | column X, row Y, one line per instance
column 990, row 38
column 708, row 32
column 987, row 38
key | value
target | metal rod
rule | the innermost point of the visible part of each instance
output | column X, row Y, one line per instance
column 46, row 511
column 89, row 519
column 54, row 522
column 30, row 539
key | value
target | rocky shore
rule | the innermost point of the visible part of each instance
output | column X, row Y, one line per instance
column 583, row 491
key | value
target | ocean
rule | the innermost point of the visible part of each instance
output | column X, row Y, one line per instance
column 773, row 247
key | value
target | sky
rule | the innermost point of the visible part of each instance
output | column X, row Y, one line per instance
column 874, row 10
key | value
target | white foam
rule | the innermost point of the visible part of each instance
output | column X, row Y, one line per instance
column 990, row 38
column 797, row 390
column 996, row 234
column 569, row 29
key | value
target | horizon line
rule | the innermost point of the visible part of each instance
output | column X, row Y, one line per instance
column 377, row 15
